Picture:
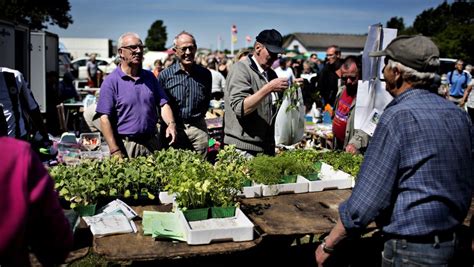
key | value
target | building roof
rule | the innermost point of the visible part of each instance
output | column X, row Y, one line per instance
column 314, row 41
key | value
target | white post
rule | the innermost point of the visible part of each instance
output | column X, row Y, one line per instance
column 231, row 43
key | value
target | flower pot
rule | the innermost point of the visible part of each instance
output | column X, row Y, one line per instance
column 288, row 179
column 317, row 166
column 196, row 214
column 312, row 176
column 86, row 210
column 222, row 212
column 247, row 183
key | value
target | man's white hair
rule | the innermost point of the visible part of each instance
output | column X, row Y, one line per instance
column 123, row 36
column 418, row 79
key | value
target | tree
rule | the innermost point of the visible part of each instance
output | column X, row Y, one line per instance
column 451, row 27
column 396, row 23
column 157, row 36
column 37, row 14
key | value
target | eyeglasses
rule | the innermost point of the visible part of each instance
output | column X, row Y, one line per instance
column 330, row 55
column 134, row 47
column 345, row 78
column 184, row 49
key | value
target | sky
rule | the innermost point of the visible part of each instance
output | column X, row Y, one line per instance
column 211, row 20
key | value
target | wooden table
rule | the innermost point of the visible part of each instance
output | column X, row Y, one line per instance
column 285, row 216
column 137, row 247
column 296, row 214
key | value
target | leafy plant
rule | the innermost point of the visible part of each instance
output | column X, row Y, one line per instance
column 292, row 94
column 343, row 161
column 198, row 184
column 230, row 174
column 270, row 170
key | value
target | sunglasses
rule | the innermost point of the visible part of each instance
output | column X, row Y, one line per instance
column 134, row 47
column 345, row 78
column 184, row 49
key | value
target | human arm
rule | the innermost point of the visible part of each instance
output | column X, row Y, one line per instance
column 168, row 118
column 358, row 141
column 323, row 251
column 33, row 108
column 252, row 101
column 466, row 95
column 109, row 136
column 373, row 191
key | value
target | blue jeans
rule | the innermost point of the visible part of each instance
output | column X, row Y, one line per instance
column 399, row 252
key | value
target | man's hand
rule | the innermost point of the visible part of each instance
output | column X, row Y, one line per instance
column 320, row 256
column 279, row 84
column 117, row 154
column 171, row 132
column 350, row 148
column 299, row 81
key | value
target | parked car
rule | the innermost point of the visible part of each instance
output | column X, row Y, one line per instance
column 106, row 65
column 446, row 65
column 65, row 64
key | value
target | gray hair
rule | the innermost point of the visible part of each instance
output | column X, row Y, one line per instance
column 468, row 67
column 175, row 41
column 423, row 80
column 123, row 36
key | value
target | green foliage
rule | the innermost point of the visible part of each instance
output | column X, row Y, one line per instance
column 128, row 178
column 157, row 36
column 292, row 94
column 269, row 170
column 450, row 26
column 396, row 23
column 36, row 14
column 199, row 184
column 343, row 161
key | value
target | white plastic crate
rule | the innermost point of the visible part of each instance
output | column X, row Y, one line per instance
column 255, row 190
column 331, row 179
column 166, row 198
column 301, row 186
column 238, row 228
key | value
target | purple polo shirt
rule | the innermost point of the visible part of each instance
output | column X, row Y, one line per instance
column 131, row 104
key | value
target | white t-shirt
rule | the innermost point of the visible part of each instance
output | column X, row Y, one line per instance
column 286, row 73
column 7, row 103
column 218, row 81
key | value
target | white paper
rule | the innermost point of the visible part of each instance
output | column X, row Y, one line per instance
column 370, row 95
column 119, row 205
column 107, row 224
column 371, row 122
column 377, row 39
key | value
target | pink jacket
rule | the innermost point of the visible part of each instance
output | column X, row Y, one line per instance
column 30, row 213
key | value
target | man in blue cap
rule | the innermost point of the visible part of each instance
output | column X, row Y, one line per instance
column 249, row 111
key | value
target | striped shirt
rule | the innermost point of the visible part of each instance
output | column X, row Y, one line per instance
column 417, row 174
column 189, row 94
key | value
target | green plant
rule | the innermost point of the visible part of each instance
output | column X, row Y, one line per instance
column 229, row 176
column 270, row 170
column 198, row 184
column 343, row 161
column 292, row 94
column 77, row 184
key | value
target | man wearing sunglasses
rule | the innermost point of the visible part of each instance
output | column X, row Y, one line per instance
column 417, row 176
column 346, row 137
column 188, row 87
column 129, row 101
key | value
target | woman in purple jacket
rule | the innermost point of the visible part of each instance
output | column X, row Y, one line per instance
column 30, row 214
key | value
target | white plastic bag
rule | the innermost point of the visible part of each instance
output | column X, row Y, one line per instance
column 289, row 123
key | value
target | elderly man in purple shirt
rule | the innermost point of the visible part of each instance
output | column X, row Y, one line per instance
column 128, row 104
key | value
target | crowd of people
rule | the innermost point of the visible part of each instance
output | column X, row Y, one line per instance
column 415, row 182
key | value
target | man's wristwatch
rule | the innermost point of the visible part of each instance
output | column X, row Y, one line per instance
column 171, row 122
column 326, row 248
